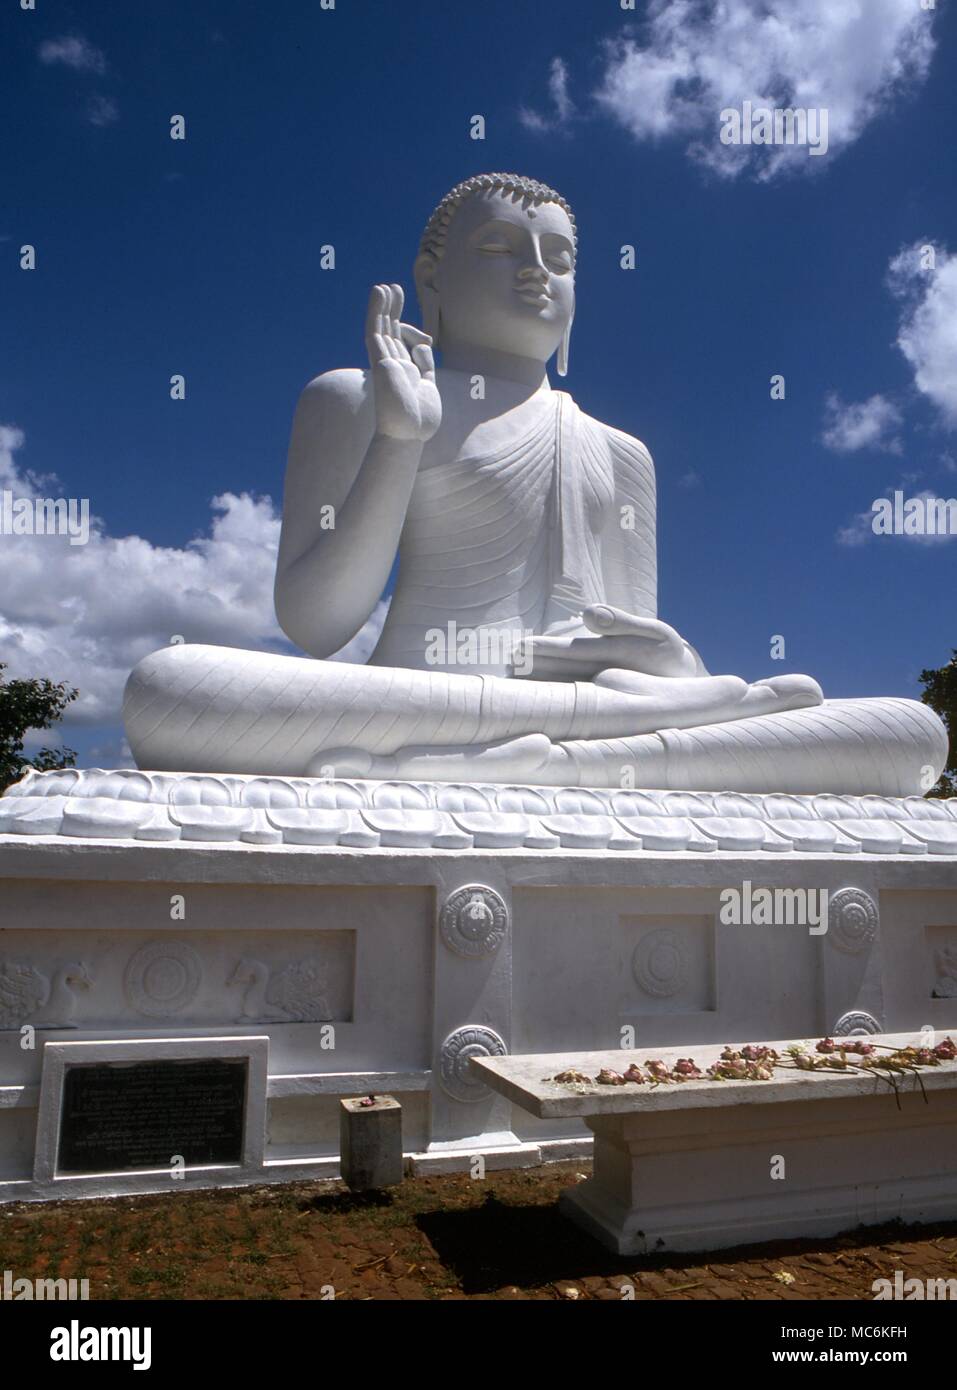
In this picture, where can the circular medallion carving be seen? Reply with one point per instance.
(855, 1025)
(163, 978)
(474, 920)
(456, 1075)
(852, 920)
(660, 964)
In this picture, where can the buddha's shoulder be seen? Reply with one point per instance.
(619, 443)
(344, 391)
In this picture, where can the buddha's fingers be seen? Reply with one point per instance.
(677, 693)
(385, 333)
(420, 346)
(396, 302)
(789, 692)
(374, 347)
(607, 621)
(413, 336)
(380, 351)
(349, 762)
(575, 657)
(423, 359)
(556, 658)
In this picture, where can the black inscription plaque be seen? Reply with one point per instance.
(119, 1116)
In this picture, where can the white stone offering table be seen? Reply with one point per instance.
(703, 1165)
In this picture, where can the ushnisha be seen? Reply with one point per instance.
(506, 506)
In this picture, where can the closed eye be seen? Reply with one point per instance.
(496, 249)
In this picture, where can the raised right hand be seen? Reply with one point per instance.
(407, 401)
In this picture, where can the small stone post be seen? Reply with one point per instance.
(370, 1142)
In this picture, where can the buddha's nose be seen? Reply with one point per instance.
(534, 268)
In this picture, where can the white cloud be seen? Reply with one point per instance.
(558, 88)
(870, 424)
(114, 752)
(102, 111)
(696, 58)
(72, 51)
(927, 335)
(11, 439)
(562, 104)
(858, 531)
(87, 614)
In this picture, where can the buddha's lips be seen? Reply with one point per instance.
(538, 297)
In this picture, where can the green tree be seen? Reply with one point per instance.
(30, 704)
(940, 692)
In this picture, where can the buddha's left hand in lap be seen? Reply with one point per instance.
(602, 638)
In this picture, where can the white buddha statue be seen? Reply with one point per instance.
(522, 643)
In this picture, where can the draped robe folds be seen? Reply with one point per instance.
(507, 544)
(519, 540)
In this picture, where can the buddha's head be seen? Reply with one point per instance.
(496, 268)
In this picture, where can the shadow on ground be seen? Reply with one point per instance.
(496, 1244)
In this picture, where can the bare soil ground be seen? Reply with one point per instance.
(432, 1238)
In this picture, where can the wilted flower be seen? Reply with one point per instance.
(571, 1077)
(658, 1069)
(634, 1073)
(729, 1069)
(608, 1077)
(685, 1068)
(826, 1045)
(946, 1050)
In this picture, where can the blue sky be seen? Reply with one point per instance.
(306, 127)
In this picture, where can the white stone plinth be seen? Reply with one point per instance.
(382, 934)
(705, 1165)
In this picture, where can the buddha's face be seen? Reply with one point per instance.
(506, 280)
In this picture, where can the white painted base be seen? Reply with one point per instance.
(848, 1165)
(690, 1228)
(705, 1165)
(420, 959)
(496, 1151)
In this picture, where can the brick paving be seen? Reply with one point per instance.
(444, 1238)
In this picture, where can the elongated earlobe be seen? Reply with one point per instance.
(563, 351)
